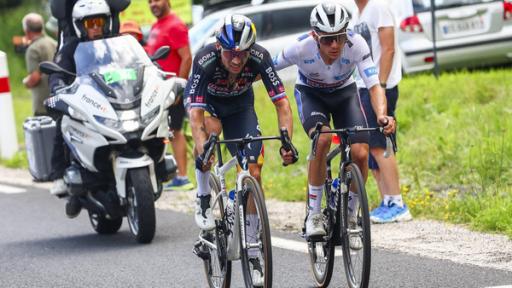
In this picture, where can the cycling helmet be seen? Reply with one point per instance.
(237, 33)
(329, 17)
(84, 9)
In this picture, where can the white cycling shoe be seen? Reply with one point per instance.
(257, 273)
(203, 216)
(315, 225)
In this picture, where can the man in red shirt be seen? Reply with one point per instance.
(170, 31)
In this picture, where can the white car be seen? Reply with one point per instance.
(469, 33)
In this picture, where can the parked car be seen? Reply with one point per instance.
(277, 24)
(469, 33)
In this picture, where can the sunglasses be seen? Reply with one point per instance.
(328, 39)
(230, 54)
(94, 22)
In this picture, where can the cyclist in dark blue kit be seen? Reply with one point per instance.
(221, 85)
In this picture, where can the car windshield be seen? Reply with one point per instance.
(114, 66)
(424, 5)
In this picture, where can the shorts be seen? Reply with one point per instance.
(238, 119)
(377, 139)
(343, 105)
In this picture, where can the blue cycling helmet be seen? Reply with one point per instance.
(237, 33)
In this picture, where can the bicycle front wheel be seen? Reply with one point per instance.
(216, 266)
(355, 230)
(256, 252)
(321, 252)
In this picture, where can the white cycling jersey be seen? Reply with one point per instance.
(313, 72)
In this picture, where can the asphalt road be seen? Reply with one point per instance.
(40, 247)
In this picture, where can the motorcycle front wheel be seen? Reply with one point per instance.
(141, 205)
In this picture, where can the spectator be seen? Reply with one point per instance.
(41, 48)
(171, 31)
(132, 28)
(376, 24)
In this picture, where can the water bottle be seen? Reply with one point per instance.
(334, 188)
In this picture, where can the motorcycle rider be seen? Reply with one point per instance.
(92, 20)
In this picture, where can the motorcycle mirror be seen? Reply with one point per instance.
(161, 53)
(48, 67)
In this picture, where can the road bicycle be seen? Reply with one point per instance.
(230, 240)
(353, 235)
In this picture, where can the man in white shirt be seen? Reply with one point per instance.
(376, 24)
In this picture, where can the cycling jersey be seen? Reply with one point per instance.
(232, 103)
(210, 79)
(313, 71)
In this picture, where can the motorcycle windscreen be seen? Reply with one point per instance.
(114, 66)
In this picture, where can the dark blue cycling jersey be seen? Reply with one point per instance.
(209, 78)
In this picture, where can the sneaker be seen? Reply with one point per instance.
(379, 209)
(204, 218)
(257, 272)
(73, 207)
(178, 184)
(315, 225)
(394, 213)
(59, 188)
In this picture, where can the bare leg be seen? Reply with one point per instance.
(179, 148)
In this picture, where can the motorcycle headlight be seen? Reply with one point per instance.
(122, 126)
(148, 118)
(110, 123)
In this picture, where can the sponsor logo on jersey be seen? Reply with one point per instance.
(195, 82)
(309, 61)
(370, 71)
(345, 61)
(272, 76)
(206, 59)
(257, 55)
(314, 74)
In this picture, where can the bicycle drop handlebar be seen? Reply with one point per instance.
(346, 132)
(213, 140)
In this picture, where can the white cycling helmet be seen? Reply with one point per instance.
(90, 8)
(329, 17)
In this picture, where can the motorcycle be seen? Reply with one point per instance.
(115, 121)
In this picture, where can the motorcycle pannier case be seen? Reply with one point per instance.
(39, 134)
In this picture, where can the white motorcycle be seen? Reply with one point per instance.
(115, 123)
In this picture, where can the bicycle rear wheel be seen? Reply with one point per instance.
(217, 267)
(257, 255)
(356, 237)
(321, 253)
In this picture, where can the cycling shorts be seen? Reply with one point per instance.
(343, 105)
(238, 120)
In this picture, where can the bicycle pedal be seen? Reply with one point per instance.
(200, 252)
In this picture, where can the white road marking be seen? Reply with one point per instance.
(11, 190)
(297, 246)
(505, 286)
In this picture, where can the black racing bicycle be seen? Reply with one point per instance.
(350, 231)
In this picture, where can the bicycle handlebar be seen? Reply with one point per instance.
(348, 131)
(214, 139)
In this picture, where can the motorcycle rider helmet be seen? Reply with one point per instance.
(237, 33)
(91, 12)
(329, 17)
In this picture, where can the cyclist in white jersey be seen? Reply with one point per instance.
(326, 58)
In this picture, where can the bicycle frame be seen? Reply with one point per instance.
(220, 170)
